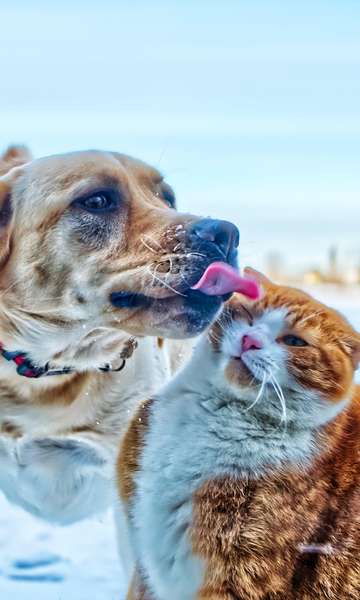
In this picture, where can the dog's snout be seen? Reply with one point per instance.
(223, 234)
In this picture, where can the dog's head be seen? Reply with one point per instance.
(91, 245)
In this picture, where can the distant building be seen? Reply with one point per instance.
(313, 277)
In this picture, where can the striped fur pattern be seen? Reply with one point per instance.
(241, 478)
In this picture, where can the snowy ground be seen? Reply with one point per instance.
(41, 562)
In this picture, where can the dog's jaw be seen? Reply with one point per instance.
(66, 262)
(178, 316)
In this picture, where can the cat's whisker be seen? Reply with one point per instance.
(314, 314)
(280, 395)
(327, 549)
(223, 327)
(260, 393)
(225, 322)
(248, 313)
(212, 336)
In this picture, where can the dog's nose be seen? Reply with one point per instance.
(250, 342)
(223, 234)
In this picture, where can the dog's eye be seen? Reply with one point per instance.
(294, 340)
(168, 195)
(99, 202)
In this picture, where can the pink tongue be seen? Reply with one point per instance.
(219, 279)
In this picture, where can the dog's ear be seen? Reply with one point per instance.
(7, 183)
(14, 156)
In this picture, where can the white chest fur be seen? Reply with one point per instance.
(196, 433)
(62, 467)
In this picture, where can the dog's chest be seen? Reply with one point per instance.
(58, 460)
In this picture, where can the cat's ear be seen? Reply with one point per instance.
(355, 351)
(259, 277)
(351, 346)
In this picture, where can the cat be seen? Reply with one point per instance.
(241, 478)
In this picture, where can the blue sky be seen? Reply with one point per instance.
(251, 108)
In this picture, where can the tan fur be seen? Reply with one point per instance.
(292, 533)
(38, 281)
(57, 274)
(14, 156)
(142, 243)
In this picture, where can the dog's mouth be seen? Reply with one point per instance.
(130, 300)
(219, 280)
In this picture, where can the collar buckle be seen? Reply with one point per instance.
(108, 368)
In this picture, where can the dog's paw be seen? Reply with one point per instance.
(7, 453)
(64, 479)
(69, 452)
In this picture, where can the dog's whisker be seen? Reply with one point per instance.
(185, 280)
(165, 284)
(199, 254)
(147, 245)
(150, 240)
(171, 266)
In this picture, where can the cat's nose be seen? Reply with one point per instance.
(251, 342)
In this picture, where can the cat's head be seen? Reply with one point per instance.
(286, 343)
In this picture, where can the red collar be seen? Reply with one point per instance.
(26, 368)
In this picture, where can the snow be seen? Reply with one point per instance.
(79, 562)
(47, 562)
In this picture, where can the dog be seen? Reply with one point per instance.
(96, 275)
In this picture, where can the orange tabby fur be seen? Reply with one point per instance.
(290, 533)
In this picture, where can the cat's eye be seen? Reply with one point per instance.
(98, 202)
(293, 340)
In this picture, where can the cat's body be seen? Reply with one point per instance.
(228, 501)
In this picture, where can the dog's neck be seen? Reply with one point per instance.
(80, 350)
(82, 344)
(105, 401)
(26, 368)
